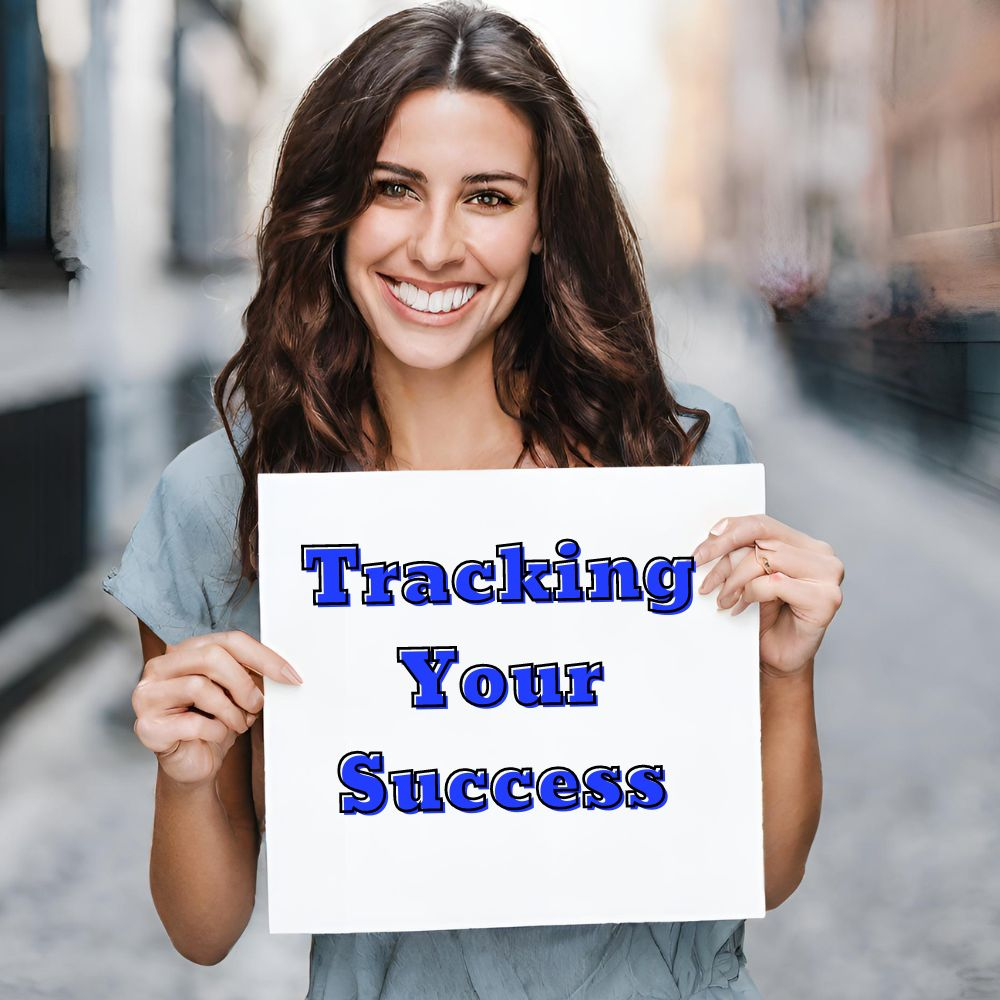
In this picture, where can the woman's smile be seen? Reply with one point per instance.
(428, 302)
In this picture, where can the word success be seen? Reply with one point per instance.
(471, 790)
(511, 578)
(514, 789)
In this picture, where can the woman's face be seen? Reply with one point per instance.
(436, 263)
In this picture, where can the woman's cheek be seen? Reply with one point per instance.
(380, 231)
(507, 249)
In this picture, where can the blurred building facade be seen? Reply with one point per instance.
(843, 157)
(124, 266)
(904, 326)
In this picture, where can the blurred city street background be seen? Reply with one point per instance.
(817, 186)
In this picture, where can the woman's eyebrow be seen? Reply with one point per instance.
(395, 168)
(483, 178)
(494, 175)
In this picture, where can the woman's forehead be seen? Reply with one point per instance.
(454, 133)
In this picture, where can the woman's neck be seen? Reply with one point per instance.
(446, 419)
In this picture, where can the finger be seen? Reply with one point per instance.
(192, 690)
(248, 651)
(800, 564)
(257, 657)
(732, 588)
(804, 564)
(161, 733)
(736, 532)
(214, 662)
(719, 573)
(723, 569)
(811, 601)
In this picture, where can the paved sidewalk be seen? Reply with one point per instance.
(76, 807)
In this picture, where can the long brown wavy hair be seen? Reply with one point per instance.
(576, 361)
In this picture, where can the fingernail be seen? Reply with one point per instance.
(720, 527)
(741, 606)
(251, 719)
(290, 672)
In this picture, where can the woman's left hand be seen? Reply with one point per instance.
(795, 578)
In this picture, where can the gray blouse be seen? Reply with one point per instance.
(179, 575)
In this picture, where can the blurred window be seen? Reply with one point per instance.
(43, 502)
(24, 135)
(215, 89)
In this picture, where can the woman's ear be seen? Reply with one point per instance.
(536, 247)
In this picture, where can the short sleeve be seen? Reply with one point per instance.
(180, 564)
(726, 441)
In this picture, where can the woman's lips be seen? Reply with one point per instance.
(424, 318)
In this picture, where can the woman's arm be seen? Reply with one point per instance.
(793, 782)
(203, 861)
(796, 580)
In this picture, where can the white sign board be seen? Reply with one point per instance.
(516, 707)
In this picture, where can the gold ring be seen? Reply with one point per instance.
(762, 559)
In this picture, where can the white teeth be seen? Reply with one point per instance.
(436, 302)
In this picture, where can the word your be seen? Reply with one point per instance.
(511, 579)
(514, 789)
(485, 686)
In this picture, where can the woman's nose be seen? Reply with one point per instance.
(437, 239)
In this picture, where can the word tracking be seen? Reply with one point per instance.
(514, 789)
(666, 584)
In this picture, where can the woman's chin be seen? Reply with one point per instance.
(423, 357)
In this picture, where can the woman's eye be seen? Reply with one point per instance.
(491, 199)
(393, 189)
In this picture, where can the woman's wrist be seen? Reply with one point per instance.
(773, 673)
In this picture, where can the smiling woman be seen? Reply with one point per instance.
(440, 164)
(448, 280)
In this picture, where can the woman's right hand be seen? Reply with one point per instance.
(198, 696)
